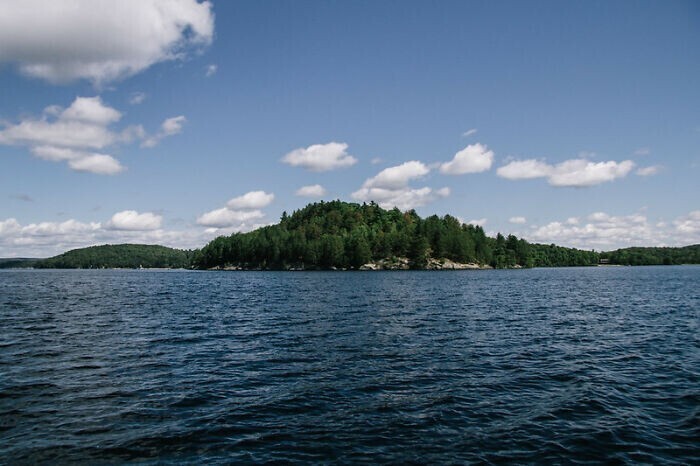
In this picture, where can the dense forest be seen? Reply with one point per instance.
(343, 235)
(653, 256)
(17, 263)
(118, 256)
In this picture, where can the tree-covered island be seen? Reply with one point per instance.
(348, 236)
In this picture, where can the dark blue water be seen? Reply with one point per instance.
(583, 365)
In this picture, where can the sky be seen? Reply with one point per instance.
(575, 123)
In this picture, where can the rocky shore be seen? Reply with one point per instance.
(394, 263)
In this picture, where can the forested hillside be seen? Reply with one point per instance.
(654, 256)
(118, 256)
(338, 234)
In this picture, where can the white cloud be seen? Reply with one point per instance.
(389, 188)
(469, 132)
(602, 231)
(46, 239)
(251, 200)
(82, 125)
(649, 171)
(100, 164)
(479, 222)
(137, 98)
(524, 170)
(403, 198)
(517, 220)
(90, 110)
(689, 226)
(75, 134)
(321, 157)
(314, 191)
(573, 173)
(211, 70)
(134, 221)
(173, 125)
(474, 158)
(398, 176)
(581, 173)
(99, 40)
(224, 217)
(238, 212)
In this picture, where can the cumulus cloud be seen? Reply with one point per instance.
(390, 187)
(100, 40)
(238, 212)
(474, 158)
(398, 176)
(321, 157)
(100, 164)
(517, 220)
(211, 70)
(314, 191)
(251, 200)
(602, 231)
(134, 221)
(571, 173)
(76, 134)
(649, 171)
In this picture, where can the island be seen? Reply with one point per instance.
(339, 235)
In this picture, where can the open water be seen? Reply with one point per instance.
(547, 366)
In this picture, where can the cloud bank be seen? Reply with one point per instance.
(603, 231)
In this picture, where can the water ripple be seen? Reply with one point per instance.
(563, 366)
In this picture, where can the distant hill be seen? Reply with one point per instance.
(327, 235)
(654, 256)
(118, 256)
(17, 262)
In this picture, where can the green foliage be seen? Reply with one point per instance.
(338, 234)
(119, 256)
(654, 256)
(17, 263)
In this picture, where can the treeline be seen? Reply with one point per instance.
(338, 234)
(653, 256)
(131, 256)
(17, 263)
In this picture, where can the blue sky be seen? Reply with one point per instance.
(576, 123)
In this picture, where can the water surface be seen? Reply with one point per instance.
(579, 365)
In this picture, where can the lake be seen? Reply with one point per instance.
(570, 365)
